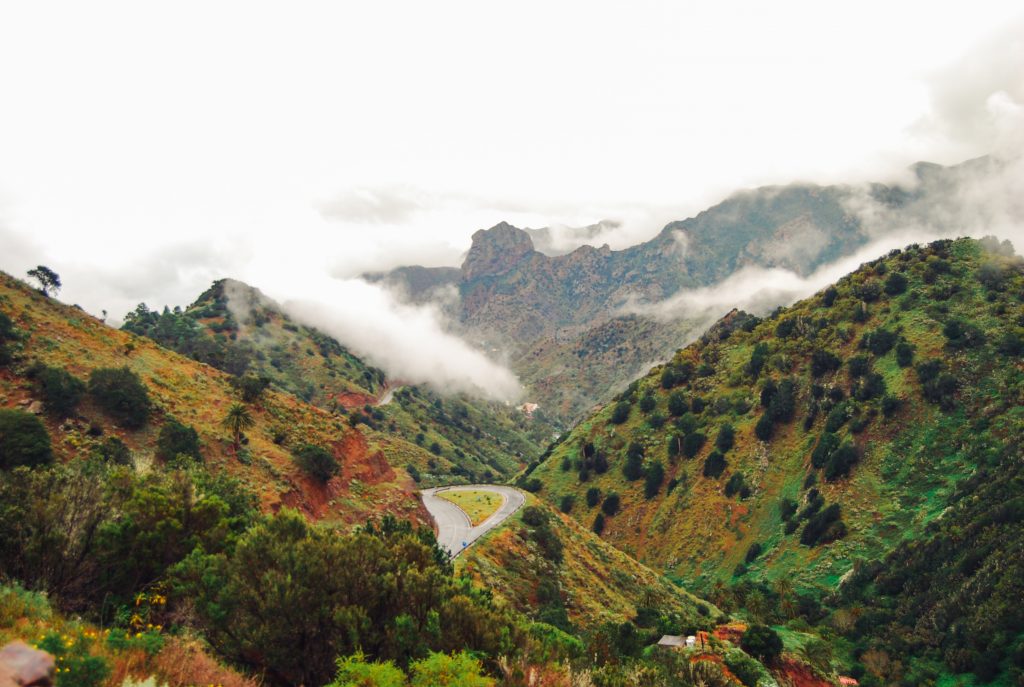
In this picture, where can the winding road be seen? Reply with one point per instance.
(455, 531)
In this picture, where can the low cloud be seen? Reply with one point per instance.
(408, 342)
(760, 290)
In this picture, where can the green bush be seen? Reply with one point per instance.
(647, 403)
(23, 440)
(620, 413)
(114, 451)
(726, 438)
(895, 284)
(593, 496)
(761, 642)
(904, 354)
(714, 465)
(653, 478)
(611, 504)
(121, 393)
(61, 391)
(598, 525)
(317, 462)
(176, 439)
(565, 505)
(693, 443)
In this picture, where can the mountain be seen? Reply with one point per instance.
(556, 316)
(236, 328)
(859, 449)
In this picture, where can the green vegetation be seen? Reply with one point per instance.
(61, 391)
(121, 393)
(317, 462)
(23, 440)
(478, 505)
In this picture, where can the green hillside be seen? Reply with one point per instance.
(771, 458)
(889, 369)
(236, 328)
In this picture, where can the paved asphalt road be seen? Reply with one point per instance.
(454, 529)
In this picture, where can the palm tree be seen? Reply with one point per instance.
(237, 421)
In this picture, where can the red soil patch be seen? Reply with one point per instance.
(788, 671)
(350, 399)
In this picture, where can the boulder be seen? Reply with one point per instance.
(23, 666)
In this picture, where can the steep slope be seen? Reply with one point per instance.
(197, 396)
(236, 328)
(545, 564)
(788, 448)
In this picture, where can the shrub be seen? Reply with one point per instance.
(880, 341)
(176, 439)
(761, 642)
(783, 402)
(566, 503)
(757, 360)
(841, 462)
(868, 292)
(737, 485)
(633, 468)
(823, 362)
(593, 496)
(647, 403)
(113, 450)
(960, 334)
(828, 443)
(620, 413)
(653, 479)
(121, 393)
(752, 553)
(534, 516)
(872, 386)
(23, 440)
(598, 525)
(828, 296)
(823, 527)
(677, 404)
(904, 354)
(890, 405)
(316, 461)
(693, 443)
(251, 386)
(764, 428)
(611, 504)
(895, 284)
(7, 331)
(726, 438)
(858, 365)
(414, 472)
(60, 390)
(714, 465)
(656, 421)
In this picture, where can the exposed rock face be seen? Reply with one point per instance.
(496, 251)
(23, 666)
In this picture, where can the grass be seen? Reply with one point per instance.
(477, 504)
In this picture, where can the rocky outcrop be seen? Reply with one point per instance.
(496, 251)
(23, 666)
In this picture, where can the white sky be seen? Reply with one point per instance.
(148, 148)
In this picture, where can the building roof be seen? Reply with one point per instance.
(672, 640)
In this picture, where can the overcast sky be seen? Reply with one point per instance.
(148, 148)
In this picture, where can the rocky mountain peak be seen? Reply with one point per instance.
(496, 250)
